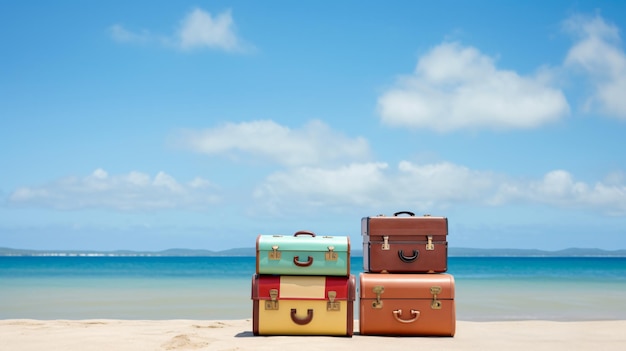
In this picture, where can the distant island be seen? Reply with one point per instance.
(250, 251)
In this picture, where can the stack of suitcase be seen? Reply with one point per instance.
(403, 289)
(303, 285)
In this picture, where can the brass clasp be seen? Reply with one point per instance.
(385, 242)
(430, 246)
(274, 255)
(332, 305)
(331, 255)
(435, 304)
(272, 304)
(378, 290)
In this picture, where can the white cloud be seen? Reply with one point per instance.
(598, 54)
(316, 187)
(559, 188)
(199, 29)
(374, 185)
(456, 87)
(127, 192)
(429, 187)
(121, 34)
(362, 187)
(313, 144)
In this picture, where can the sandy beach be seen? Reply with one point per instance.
(119, 335)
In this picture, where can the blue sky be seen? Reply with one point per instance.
(149, 125)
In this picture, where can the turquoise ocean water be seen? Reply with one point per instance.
(487, 288)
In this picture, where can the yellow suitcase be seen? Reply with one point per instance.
(303, 305)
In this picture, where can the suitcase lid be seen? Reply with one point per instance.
(406, 286)
(293, 287)
(303, 241)
(404, 225)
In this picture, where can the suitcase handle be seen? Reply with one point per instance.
(397, 313)
(304, 232)
(296, 261)
(408, 259)
(302, 321)
(404, 212)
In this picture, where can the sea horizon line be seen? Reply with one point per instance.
(251, 252)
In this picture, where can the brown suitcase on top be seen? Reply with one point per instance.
(405, 243)
(407, 304)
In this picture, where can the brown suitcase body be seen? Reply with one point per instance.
(407, 304)
(405, 244)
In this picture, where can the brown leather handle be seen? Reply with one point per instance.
(302, 321)
(404, 212)
(304, 232)
(398, 313)
(296, 261)
(408, 259)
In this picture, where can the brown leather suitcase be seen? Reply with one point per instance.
(405, 243)
(407, 304)
(303, 305)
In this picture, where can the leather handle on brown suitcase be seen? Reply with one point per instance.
(296, 261)
(404, 212)
(304, 232)
(302, 321)
(408, 259)
(414, 316)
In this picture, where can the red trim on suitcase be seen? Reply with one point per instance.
(340, 285)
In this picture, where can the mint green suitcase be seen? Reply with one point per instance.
(304, 253)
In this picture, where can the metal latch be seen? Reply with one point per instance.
(430, 246)
(331, 255)
(274, 254)
(378, 290)
(435, 304)
(385, 242)
(273, 303)
(332, 305)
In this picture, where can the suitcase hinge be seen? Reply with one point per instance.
(378, 290)
(274, 255)
(332, 305)
(385, 242)
(331, 255)
(273, 303)
(430, 246)
(435, 304)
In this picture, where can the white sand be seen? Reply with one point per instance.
(120, 335)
